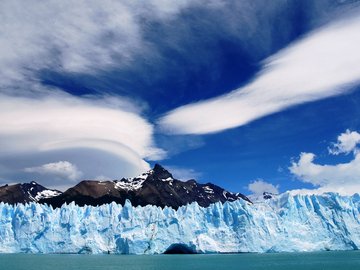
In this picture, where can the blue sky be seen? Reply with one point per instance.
(231, 92)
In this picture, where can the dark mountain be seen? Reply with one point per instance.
(24, 193)
(156, 187)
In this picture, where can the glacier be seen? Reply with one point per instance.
(284, 223)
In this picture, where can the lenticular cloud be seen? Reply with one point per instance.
(323, 64)
(55, 123)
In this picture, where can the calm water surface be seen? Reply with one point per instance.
(305, 261)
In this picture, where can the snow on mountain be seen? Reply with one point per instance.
(129, 184)
(281, 223)
(46, 194)
(26, 192)
(133, 183)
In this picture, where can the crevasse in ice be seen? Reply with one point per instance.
(285, 223)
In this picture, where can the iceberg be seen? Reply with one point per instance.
(283, 223)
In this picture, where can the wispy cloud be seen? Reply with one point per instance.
(87, 37)
(320, 65)
(70, 36)
(342, 177)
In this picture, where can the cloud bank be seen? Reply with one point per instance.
(343, 177)
(322, 64)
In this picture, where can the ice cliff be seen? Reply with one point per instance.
(283, 223)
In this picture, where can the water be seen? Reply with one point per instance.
(318, 260)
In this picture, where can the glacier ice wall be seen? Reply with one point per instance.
(285, 223)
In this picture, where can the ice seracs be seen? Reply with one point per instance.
(283, 223)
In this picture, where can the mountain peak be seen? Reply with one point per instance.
(158, 167)
(160, 172)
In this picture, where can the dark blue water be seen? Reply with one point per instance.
(349, 260)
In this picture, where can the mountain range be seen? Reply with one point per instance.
(156, 187)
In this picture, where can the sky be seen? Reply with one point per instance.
(249, 95)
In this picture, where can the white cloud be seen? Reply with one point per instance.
(61, 169)
(322, 64)
(346, 143)
(258, 187)
(52, 123)
(342, 177)
(324, 175)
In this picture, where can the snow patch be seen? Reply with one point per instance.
(145, 175)
(169, 180)
(45, 194)
(208, 189)
(129, 184)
